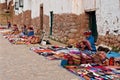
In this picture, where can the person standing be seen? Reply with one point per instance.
(24, 30)
(9, 25)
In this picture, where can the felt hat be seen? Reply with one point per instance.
(88, 32)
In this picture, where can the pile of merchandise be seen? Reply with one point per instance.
(86, 66)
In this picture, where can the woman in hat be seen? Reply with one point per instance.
(90, 40)
(30, 32)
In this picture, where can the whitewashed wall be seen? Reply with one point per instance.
(2, 1)
(35, 8)
(108, 15)
(77, 6)
(27, 4)
(57, 6)
(89, 5)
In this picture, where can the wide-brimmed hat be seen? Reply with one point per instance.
(89, 32)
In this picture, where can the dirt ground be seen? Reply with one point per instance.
(17, 62)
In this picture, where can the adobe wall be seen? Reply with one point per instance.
(3, 17)
(109, 40)
(69, 26)
(3, 6)
(22, 18)
(65, 26)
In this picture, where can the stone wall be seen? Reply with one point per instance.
(3, 6)
(69, 26)
(25, 18)
(22, 18)
(11, 10)
(36, 23)
(46, 26)
(109, 40)
(3, 16)
(17, 19)
(65, 26)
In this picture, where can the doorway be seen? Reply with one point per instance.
(41, 17)
(51, 22)
(92, 24)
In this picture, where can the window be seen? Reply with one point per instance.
(16, 6)
(20, 3)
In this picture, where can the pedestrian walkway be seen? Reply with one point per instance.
(17, 62)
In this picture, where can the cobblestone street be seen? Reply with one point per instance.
(17, 62)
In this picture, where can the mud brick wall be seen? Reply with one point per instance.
(65, 26)
(109, 40)
(11, 10)
(27, 17)
(17, 19)
(46, 26)
(69, 26)
(36, 23)
(3, 6)
(22, 18)
(3, 18)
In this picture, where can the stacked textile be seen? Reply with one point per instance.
(95, 72)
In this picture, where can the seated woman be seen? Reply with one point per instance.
(90, 40)
(30, 32)
(15, 30)
(24, 31)
(85, 49)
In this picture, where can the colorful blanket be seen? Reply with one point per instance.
(95, 72)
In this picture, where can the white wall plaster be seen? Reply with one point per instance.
(57, 6)
(108, 16)
(2, 1)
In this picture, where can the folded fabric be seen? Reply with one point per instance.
(113, 54)
(43, 50)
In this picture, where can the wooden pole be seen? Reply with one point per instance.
(41, 17)
(41, 23)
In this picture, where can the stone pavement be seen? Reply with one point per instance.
(17, 62)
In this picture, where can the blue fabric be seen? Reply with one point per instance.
(113, 54)
(92, 79)
(64, 63)
(92, 42)
(88, 52)
(31, 33)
